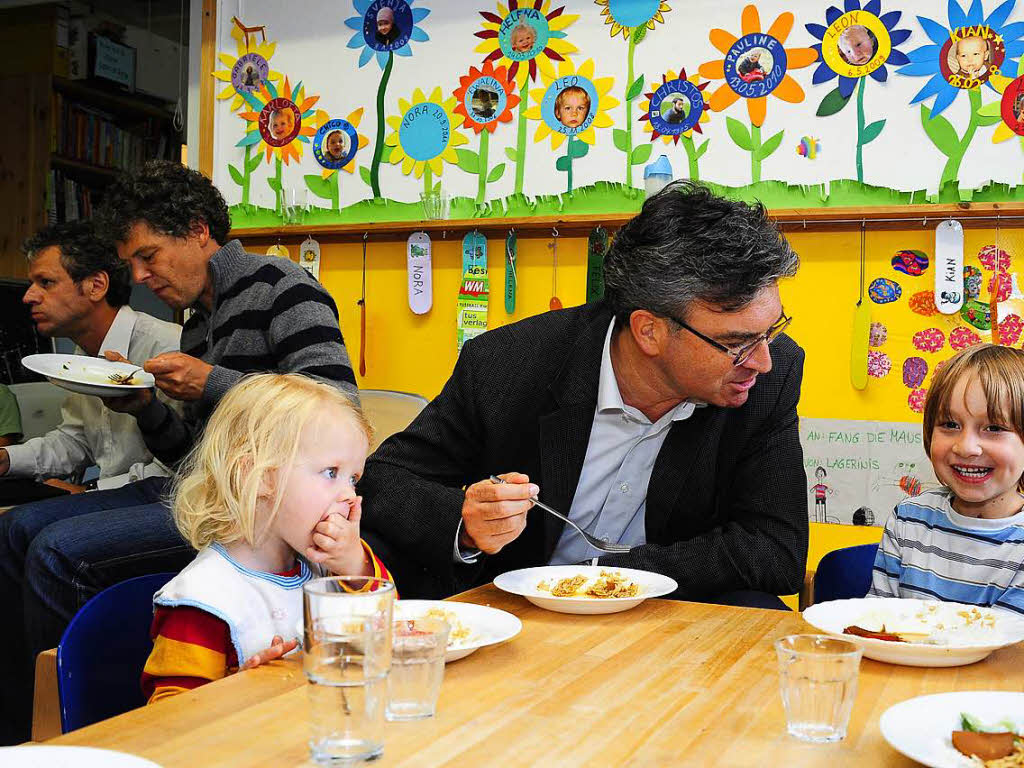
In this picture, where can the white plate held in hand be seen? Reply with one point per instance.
(88, 375)
(524, 582)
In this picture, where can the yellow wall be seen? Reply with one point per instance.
(416, 353)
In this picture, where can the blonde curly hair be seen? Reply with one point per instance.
(251, 438)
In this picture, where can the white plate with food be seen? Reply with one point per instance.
(473, 626)
(89, 375)
(918, 633)
(585, 588)
(929, 729)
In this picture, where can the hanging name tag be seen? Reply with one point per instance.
(278, 250)
(597, 246)
(474, 291)
(309, 257)
(949, 267)
(421, 291)
(511, 278)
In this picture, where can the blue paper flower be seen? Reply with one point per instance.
(824, 72)
(359, 39)
(926, 60)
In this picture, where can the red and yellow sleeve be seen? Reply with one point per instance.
(380, 570)
(190, 648)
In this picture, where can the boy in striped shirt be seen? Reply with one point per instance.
(965, 541)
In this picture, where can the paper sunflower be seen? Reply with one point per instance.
(671, 87)
(260, 102)
(485, 98)
(423, 137)
(1004, 46)
(383, 52)
(327, 184)
(625, 15)
(755, 65)
(405, 21)
(932, 60)
(856, 43)
(354, 118)
(245, 50)
(633, 18)
(524, 38)
(585, 89)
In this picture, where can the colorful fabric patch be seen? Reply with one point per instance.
(929, 340)
(879, 364)
(916, 400)
(910, 485)
(962, 338)
(923, 303)
(994, 259)
(1010, 328)
(1003, 289)
(972, 282)
(912, 263)
(977, 313)
(884, 291)
(915, 369)
(878, 334)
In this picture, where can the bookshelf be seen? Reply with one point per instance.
(63, 140)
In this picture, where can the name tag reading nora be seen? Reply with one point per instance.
(421, 292)
(949, 267)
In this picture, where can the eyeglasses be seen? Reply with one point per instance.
(741, 355)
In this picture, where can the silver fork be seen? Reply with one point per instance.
(593, 541)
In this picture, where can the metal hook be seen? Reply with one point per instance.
(366, 235)
(805, 223)
(554, 232)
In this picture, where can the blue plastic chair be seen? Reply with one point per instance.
(103, 650)
(844, 573)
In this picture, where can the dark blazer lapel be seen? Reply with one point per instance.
(565, 430)
(677, 459)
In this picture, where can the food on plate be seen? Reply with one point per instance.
(459, 633)
(933, 623)
(123, 378)
(1002, 747)
(608, 584)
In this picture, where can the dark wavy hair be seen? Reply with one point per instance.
(688, 244)
(169, 197)
(84, 253)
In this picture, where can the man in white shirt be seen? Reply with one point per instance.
(80, 291)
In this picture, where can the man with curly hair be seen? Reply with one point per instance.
(249, 313)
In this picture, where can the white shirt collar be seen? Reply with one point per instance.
(119, 335)
(609, 398)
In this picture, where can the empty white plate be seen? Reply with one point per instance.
(87, 375)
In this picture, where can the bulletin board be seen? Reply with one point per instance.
(370, 110)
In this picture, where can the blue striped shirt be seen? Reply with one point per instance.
(930, 551)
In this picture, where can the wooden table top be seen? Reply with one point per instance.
(667, 683)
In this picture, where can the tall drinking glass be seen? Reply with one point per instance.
(347, 656)
(818, 682)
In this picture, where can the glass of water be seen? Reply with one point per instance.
(347, 656)
(417, 667)
(818, 681)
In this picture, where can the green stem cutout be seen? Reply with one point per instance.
(481, 184)
(691, 157)
(521, 140)
(378, 148)
(246, 175)
(860, 129)
(755, 145)
(278, 187)
(428, 180)
(629, 111)
(568, 154)
(336, 191)
(952, 170)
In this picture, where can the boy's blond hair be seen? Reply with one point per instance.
(246, 450)
(1000, 371)
(572, 90)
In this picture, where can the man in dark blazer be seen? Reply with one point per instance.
(658, 417)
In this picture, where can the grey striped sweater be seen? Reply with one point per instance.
(268, 315)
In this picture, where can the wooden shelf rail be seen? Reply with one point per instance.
(1007, 214)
